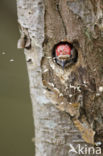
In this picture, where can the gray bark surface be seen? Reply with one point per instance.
(60, 119)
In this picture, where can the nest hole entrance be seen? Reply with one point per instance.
(65, 48)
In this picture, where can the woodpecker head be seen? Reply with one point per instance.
(65, 54)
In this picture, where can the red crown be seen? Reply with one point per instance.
(63, 49)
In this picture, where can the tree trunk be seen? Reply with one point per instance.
(67, 103)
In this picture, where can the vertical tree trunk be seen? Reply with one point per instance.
(67, 104)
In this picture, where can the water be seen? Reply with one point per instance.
(16, 122)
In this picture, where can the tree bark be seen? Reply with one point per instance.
(67, 104)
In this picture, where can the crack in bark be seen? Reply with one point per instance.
(58, 9)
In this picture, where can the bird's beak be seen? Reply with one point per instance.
(63, 64)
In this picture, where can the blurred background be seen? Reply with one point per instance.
(16, 122)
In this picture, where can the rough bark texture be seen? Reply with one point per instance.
(67, 104)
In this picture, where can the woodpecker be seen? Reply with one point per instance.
(65, 54)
